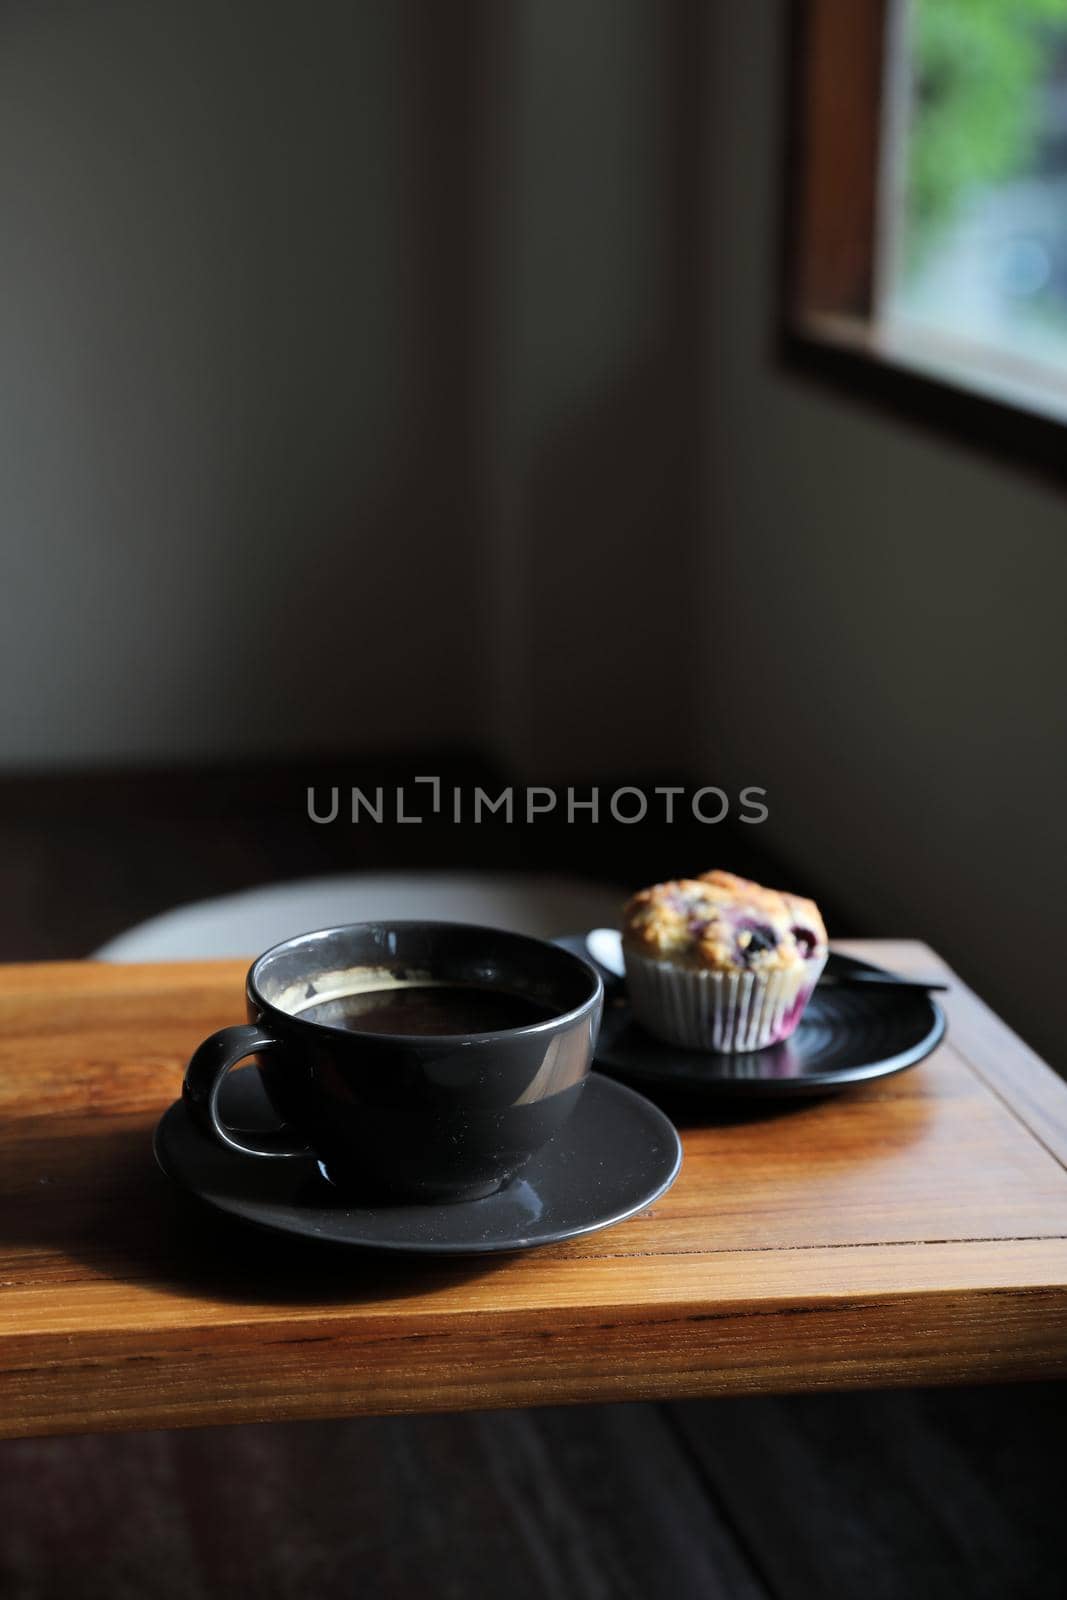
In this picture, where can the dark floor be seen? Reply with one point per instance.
(908, 1496)
(911, 1495)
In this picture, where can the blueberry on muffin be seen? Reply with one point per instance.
(720, 963)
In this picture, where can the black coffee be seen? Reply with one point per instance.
(430, 1008)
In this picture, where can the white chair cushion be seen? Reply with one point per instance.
(244, 924)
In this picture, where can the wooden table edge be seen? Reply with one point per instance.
(198, 1377)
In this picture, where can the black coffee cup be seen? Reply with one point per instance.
(418, 1115)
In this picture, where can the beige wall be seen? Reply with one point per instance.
(595, 467)
(345, 380)
(886, 642)
(236, 502)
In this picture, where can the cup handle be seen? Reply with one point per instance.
(204, 1077)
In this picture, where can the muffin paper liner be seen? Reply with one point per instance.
(726, 1011)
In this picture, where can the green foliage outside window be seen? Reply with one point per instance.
(979, 67)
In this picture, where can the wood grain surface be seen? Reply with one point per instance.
(913, 1231)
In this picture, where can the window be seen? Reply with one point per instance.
(929, 203)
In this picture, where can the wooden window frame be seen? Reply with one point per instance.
(837, 133)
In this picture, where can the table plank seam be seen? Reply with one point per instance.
(49, 1281)
(1013, 1110)
(390, 1338)
(845, 1244)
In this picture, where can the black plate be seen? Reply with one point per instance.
(615, 1156)
(847, 1036)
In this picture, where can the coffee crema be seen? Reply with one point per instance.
(432, 1008)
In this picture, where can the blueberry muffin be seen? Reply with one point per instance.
(720, 963)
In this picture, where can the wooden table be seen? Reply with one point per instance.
(913, 1231)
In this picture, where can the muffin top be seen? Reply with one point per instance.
(723, 923)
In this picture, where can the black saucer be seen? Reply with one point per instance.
(847, 1036)
(615, 1156)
